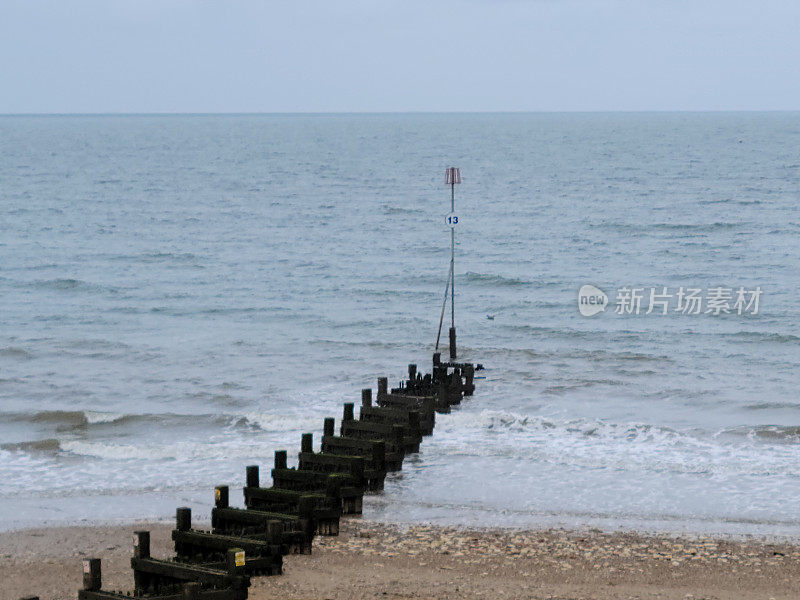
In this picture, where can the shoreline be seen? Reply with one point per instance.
(370, 559)
(159, 508)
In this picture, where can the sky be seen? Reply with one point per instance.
(122, 56)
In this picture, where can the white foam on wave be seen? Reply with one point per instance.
(624, 447)
(96, 417)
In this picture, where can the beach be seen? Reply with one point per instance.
(371, 560)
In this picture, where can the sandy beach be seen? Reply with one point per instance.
(371, 560)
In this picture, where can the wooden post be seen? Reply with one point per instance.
(235, 561)
(379, 453)
(92, 575)
(469, 375)
(274, 532)
(191, 591)
(348, 415)
(442, 395)
(414, 420)
(141, 544)
(328, 427)
(412, 373)
(221, 497)
(307, 442)
(252, 476)
(366, 397)
(280, 459)
(383, 387)
(452, 343)
(305, 507)
(183, 519)
(437, 359)
(397, 430)
(334, 487)
(457, 383)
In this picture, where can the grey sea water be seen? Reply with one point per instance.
(183, 295)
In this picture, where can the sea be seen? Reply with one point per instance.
(182, 295)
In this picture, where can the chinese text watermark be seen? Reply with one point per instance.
(664, 300)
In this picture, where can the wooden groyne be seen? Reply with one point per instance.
(302, 502)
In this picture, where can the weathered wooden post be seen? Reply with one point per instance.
(141, 549)
(305, 507)
(398, 431)
(275, 531)
(366, 397)
(191, 591)
(252, 476)
(307, 442)
(442, 391)
(349, 414)
(469, 376)
(221, 496)
(328, 429)
(412, 373)
(183, 518)
(92, 575)
(280, 459)
(141, 544)
(383, 388)
(437, 359)
(414, 420)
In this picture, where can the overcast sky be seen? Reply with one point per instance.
(406, 55)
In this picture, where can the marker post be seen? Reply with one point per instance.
(452, 177)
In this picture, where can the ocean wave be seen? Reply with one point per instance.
(492, 279)
(392, 209)
(184, 451)
(549, 332)
(15, 352)
(45, 446)
(673, 227)
(66, 421)
(772, 406)
(69, 285)
(629, 447)
(276, 423)
(505, 420)
(766, 433)
(62, 419)
(760, 336)
(576, 384)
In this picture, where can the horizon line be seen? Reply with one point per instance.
(389, 112)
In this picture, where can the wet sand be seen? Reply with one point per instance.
(377, 561)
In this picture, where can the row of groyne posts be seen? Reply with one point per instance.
(309, 500)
